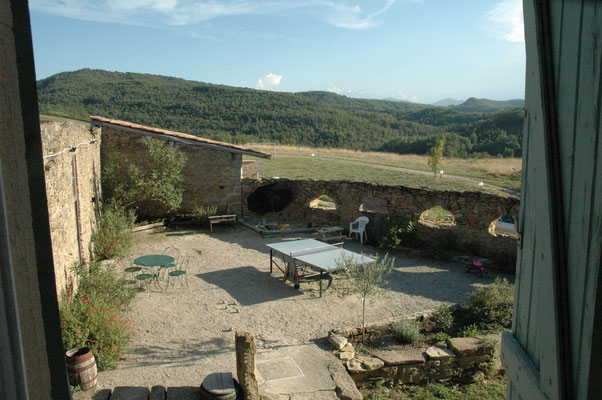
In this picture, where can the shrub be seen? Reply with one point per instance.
(490, 308)
(395, 230)
(407, 331)
(471, 330)
(96, 316)
(113, 237)
(200, 215)
(96, 281)
(158, 181)
(442, 318)
(441, 336)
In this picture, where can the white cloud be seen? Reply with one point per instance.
(185, 12)
(506, 21)
(341, 91)
(413, 98)
(268, 81)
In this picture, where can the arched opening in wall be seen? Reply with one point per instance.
(323, 202)
(437, 216)
(504, 226)
(373, 205)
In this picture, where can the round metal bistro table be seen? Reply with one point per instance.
(157, 261)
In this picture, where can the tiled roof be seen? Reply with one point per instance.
(96, 120)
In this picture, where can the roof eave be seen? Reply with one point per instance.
(191, 142)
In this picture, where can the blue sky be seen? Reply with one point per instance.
(417, 50)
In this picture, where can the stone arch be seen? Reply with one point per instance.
(504, 226)
(324, 202)
(437, 216)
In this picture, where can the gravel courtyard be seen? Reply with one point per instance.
(185, 333)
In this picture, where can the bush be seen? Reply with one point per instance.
(96, 316)
(442, 336)
(395, 230)
(407, 331)
(158, 181)
(471, 330)
(200, 215)
(113, 237)
(490, 308)
(442, 318)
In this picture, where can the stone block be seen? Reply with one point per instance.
(370, 363)
(345, 386)
(393, 357)
(337, 341)
(348, 347)
(464, 346)
(438, 353)
(410, 374)
(346, 355)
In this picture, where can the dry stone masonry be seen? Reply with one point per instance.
(461, 359)
(72, 172)
(210, 177)
(473, 211)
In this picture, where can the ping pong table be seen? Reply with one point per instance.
(315, 254)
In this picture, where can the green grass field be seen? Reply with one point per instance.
(325, 169)
(297, 163)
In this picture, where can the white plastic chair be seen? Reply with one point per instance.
(361, 223)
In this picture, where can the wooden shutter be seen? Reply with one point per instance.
(550, 352)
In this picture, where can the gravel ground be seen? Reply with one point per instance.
(185, 333)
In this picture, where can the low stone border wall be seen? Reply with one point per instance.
(462, 359)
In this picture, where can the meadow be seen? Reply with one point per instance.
(499, 175)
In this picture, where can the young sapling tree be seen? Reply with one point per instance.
(365, 280)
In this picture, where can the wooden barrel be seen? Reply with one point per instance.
(81, 367)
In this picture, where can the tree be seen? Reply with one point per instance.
(158, 181)
(436, 156)
(367, 280)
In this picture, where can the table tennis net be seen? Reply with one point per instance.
(313, 250)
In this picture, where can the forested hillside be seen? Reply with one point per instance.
(310, 118)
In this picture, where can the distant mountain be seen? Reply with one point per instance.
(488, 106)
(447, 102)
(240, 115)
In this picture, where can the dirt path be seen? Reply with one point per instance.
(187, 332)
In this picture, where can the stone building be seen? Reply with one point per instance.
(72, 173)
(211, 175)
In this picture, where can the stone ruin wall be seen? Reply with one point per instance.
(473, 211)
(59, 175)
(210, 177)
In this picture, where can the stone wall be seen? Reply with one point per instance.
(210, 177)
(252, 169)
(473, 211)
(460, 359)
(70, 243)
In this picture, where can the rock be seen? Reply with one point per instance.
(346, 355)
(345, 386)
(473, 377)
(319, 395)
(272, 396)
(245, 364)
(355, 367)
(393, 357)
(348, 347)
(371, 363)
(337, 341)
(464, 346)
(438, 353)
